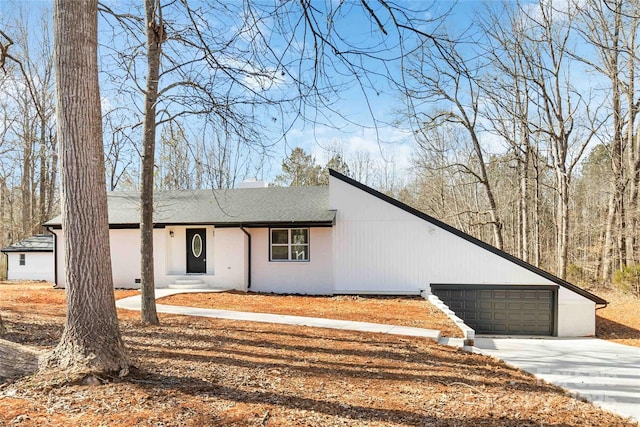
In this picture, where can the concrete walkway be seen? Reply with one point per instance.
(133, 303)
(603, 372)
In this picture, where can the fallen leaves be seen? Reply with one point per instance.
(619, 321)
(412, 311)
(195, 372)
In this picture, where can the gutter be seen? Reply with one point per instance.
(55, 256)
(248, 256)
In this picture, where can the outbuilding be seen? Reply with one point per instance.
(344, 238)
(31, 259)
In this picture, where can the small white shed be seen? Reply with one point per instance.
(31, 259)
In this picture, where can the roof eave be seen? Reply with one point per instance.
(249, 224)
(5, 250)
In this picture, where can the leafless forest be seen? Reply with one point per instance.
(524, 123)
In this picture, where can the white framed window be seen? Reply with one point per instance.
(23, 259)
(289, 244)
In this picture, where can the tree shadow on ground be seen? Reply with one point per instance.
(313, 355)
(45, 334)
(610, 329)
(334, 408)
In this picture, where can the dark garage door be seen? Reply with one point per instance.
(502, 310)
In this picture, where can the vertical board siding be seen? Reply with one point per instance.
(370, 257)
(378, 247)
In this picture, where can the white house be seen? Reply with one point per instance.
(342, 239)
(31, 259)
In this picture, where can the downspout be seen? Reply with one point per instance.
(248, 256)
(55, 256)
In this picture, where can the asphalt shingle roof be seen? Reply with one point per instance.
(39, 243)
(245, 206)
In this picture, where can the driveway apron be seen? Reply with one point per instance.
(603, 372)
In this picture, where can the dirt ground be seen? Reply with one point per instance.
(407, 311)
(210, 372)
(620, 320)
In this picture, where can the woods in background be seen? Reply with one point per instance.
(524, 132)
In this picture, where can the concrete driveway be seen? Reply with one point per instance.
(603, 372)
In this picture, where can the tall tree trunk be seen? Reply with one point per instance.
(91, 341)
(27, 174)
(562, 240)
(53, 176)
(634, 183)
(496, 223)
(42, 194)
(633, 162)
(621, 230)
(536, 215)
(155, 37)
(614, 236)
(607, 247)
(523, 202)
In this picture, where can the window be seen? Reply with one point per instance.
(23, 259)
(289, 244)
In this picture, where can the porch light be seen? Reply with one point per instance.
(170, 233)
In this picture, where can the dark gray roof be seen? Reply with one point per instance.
(245, 206)
(39, 243)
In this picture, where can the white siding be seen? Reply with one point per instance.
(125, 257)
(59, 258)
(38, 266)
(576, 315)
(225, 259)
(312, 277)
(378, 247)
(230, 258)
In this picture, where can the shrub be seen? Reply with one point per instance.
(628, 279)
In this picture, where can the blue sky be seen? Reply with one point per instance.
(385, 142)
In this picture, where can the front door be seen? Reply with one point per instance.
(196, 250)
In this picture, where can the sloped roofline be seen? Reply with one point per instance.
(24, 246)
(467, 237)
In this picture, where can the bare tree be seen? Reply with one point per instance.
(507, 110)
(446, 89)
(155, 36)
(437, 183)
(611, 28)
(176, 172)
(91, 341)
(362, 167)
(568, 117)
(120, 150)
(29, 89)
(273, 63)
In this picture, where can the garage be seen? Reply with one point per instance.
(503, 309)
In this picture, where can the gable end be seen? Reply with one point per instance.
(596, 299)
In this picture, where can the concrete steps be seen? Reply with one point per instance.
(188, 284)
